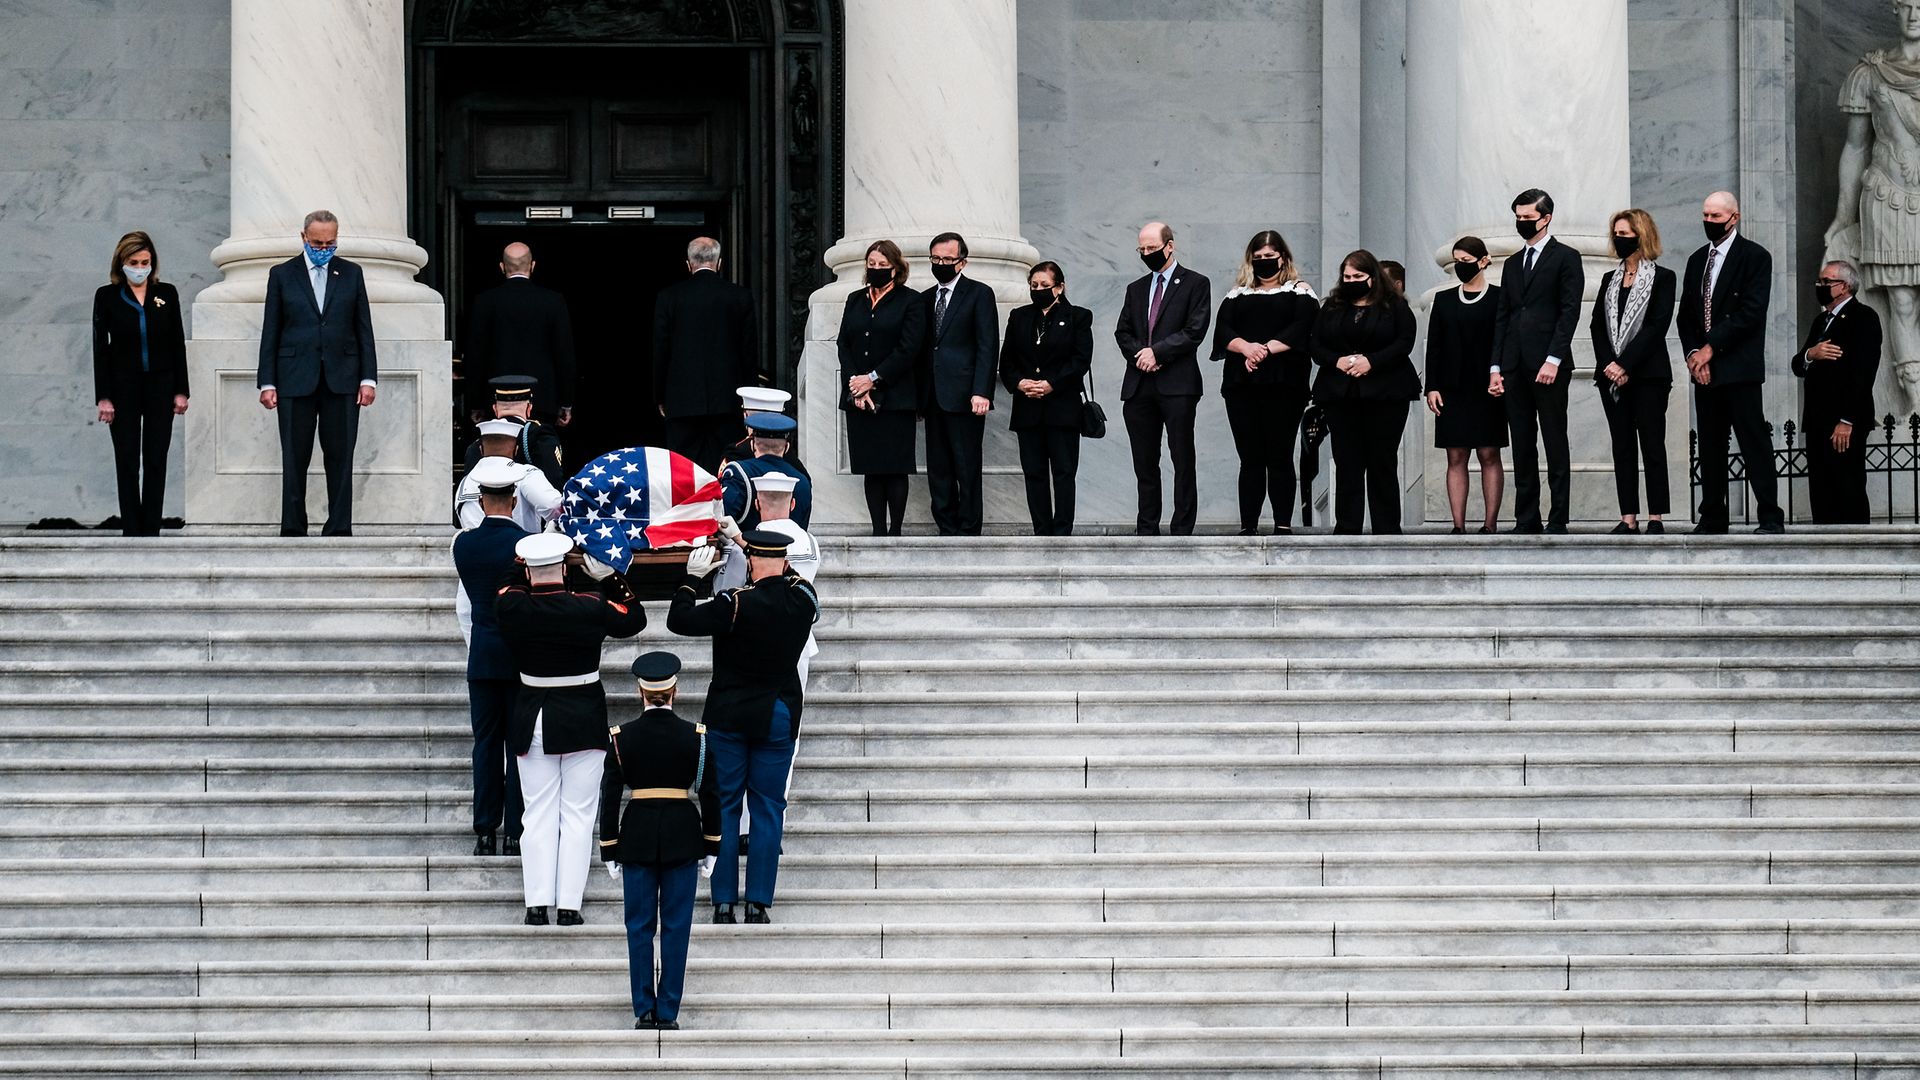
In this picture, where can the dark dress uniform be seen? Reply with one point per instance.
(484, 557)
(658, 840)
(736, 479)
(752, 713)
(743, 451)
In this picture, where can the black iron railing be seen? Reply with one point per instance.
(1893, 467)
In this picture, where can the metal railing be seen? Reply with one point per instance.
(1893, 469)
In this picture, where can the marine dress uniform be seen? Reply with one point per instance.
(655, 846)
(537, 500)
(560, 719)
(737, 477)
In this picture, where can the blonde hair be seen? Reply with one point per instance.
(1643, 227)
(130, 245)
(1266, 238)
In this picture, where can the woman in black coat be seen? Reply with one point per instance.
(880, 338)
(1363, 342)
(1044, 363)
(1466, 419)
(1261, 336)
(139, 377)
(1632, 368)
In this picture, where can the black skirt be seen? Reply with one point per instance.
(1469, 420)
(880, 443)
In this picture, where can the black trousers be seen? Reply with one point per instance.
(496, 786)
(1050, 458)
(338, 419)
(953, 470)
(1537, 415)
(1147, 413)
(142, 432)
(1735, 410)
(1837, 482)
(704, 439)
(1266, 427)
(1638, 425)
(1366, 461)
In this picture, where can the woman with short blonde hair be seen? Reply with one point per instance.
(1631, 365)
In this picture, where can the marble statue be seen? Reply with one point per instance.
(1877, 224)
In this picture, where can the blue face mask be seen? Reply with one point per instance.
(319, 256)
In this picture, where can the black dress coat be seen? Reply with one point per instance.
(1645, 357)
(957, 360)
(1382, 332)
(884, 338)
(519, 328)
(1742, 288)
(1538, 312)
(553, 631)
(1840, 389)
(306, 350)
(1062, 357)
(706, 345)
(1285, 315)
(658, 750)
(1459, 353)
(1186, 308)
(116, 344)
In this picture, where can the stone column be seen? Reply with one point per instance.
(319, 121)
(1505, 96)
(932, 144)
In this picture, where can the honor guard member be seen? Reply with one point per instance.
(656, 847)
(537, 500)
(753, 704)
(560, 714)
(484, 556)
(535, 443)
(755, 399)
(771, 433)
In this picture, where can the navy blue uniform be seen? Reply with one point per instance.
(736, 489)
(484, 557)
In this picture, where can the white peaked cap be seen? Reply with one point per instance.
(500, 427)
(495, 472)
(762, 398)
(544, 549)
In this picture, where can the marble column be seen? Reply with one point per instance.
(932, 144)
(1505, 96)
(319, 120)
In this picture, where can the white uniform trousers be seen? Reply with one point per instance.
(562, 796)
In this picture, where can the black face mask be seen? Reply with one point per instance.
(1716, 230)
(1823, 294)
(1624, 246)
(1527, 229)
(1350, 291)
(1266, 268)
(1466, 270)
(1156, 260)
(878, 279)
(1041, 297)
(944, 273)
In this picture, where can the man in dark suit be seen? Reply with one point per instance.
(484, 557)
(519, 328)
(317, 367)
(1723, 333)
(956, 385)
(1839, 361)
(1162, 327)
(706, 343)
(1539, 308)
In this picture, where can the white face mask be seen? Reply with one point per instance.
(136, 275)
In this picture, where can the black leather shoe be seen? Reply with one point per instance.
(1557, 530)
(757, 913)
(483, 844)
(536, 916)
(1772, 529)
(645, 1022)
(510, 846)
(1147, 531)
(1655, 528)
(569, 918)
(1704, 529)
(1624, 529)
(666, 1025)
(1527, 529)
(723, 913)
(1458, 530)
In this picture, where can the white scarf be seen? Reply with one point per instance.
(1623, 325)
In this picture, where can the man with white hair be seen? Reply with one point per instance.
(706, 341)
(1839, 362)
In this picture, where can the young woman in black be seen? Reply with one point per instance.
(1363, 342)
(1466, 419)
(1262, 335)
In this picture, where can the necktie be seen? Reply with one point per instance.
(940, 309)
(1706, 291)
(1531, 252)
(1153, 310)
(320, 287)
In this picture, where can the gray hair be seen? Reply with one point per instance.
(704, 251)
(325, 217)
(1847, 272)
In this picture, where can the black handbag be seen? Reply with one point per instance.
(1093, 418)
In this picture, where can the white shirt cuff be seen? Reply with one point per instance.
(1495, 369)
(1551, 361)
(266, 388)
(366, 382)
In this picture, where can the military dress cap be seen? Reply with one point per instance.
(766, 544)
(544, 549)
(507, 428)
(776, 482)
(657, 670)
(496, 475)
(762, 398)
(513, 387)
(771, 425)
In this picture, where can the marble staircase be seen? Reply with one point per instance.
(1406, 808)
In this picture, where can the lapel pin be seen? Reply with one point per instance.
(158, 302)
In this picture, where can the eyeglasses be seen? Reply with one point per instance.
(1149, 251)
(1828, 281)
(939, 260)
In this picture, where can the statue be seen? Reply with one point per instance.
(1877, 224)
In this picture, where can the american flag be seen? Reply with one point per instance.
(637, 499)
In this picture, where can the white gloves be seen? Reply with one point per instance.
(729, 528)
(706, 867)
(613, 870)
(595, 569)
(702, 561)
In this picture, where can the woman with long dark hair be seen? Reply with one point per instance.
(1363, 342)
(1261, 336)
(139, 376)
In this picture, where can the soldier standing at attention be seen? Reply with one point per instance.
(656, 847)
(752, 713)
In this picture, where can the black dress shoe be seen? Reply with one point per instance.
(1147, 530)
(1557, 530)
(1654, 527)
(1488, 530)
(483, 844)
(723, 913)
(757, 913)
(1458, 530)
(1624, 529)
(645, 1022)
(510, 846)
(536, 916)
(1704, 529)
(1527, 529)
(1248, 531)
(1772, 528)
(666, 1025)
(569, 918)
(1283, 530)
(746, 844)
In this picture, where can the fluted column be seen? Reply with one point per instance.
(319, 121)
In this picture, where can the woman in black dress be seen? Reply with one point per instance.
(1459, 353)
(1632, 368)
(1044, 364)
(1363, 342)
(880, 336)
(139, 377)
(1262, 335)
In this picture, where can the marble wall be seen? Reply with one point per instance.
(113, 116)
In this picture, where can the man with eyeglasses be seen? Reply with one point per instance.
(317, 368)
(1162, 326)
(956, 385)
(1838, 362)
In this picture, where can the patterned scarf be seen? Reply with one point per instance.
(1623, 325)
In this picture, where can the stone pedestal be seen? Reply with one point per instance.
(932, 144)
(296, 150)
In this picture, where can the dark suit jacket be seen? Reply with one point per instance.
(706, 345)
(552, 631)
(1063, 358)
(1186, 308)
(1538, 312)
(1839, 389)
(116, 341)
(519, 328)
(1645, 357)
(1741, 289)
(484, 558)
(304, 350)
(884, 338)
(957, 363)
